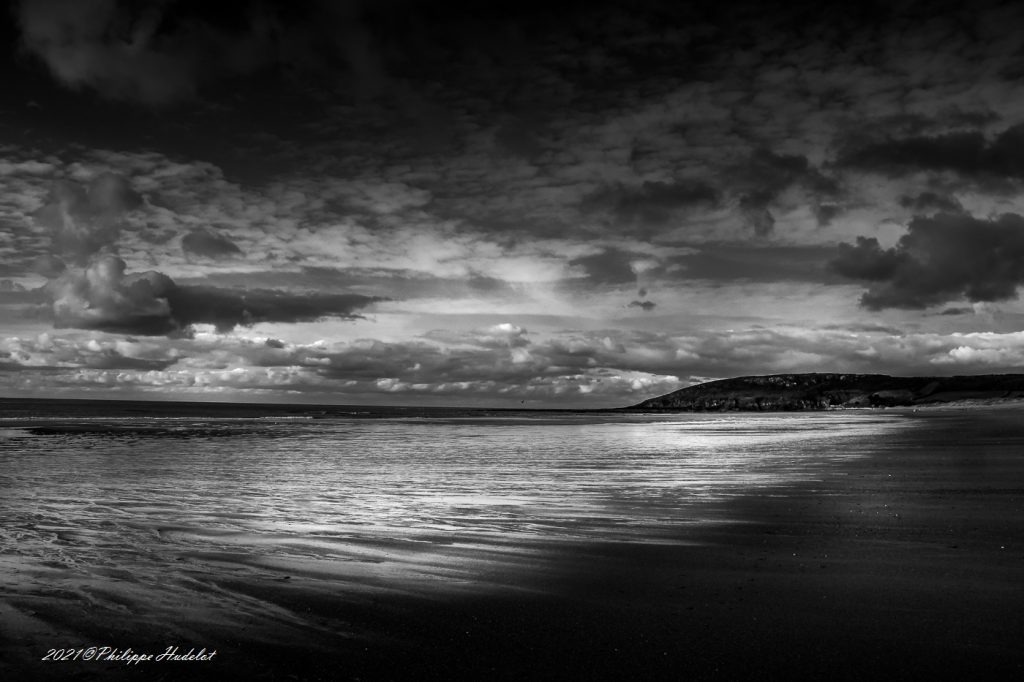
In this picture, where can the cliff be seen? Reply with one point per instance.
(794, 392)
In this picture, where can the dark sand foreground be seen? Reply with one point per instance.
(907, 563)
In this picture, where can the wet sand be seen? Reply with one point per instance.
(904, 564)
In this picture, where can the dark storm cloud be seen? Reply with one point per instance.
(755, 211)
(202, 242)
(955, 151)
(517, 135)
(104, 297)
(940, 259)
(756, 262)
(968, 153)
(927, 202)
(704, 122)
(154, 53)
(161, 53)
(651, 202)
(826, 212)
(83, 219)
(393, 283)
(227, 309)
(765, 175)
(85, 224)
(867, 260)
(611, 266)
(772, 171)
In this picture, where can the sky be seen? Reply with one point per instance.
(540, 204)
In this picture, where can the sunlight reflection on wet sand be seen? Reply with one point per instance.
(108, 517)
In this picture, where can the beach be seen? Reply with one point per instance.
(898, 559)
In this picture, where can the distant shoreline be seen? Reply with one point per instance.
(951, 405)
(820, 392)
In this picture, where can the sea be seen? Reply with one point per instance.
(82, 477)
(171, 518)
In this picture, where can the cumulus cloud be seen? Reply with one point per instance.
(939, 259)
(104, 297)
(47, 352)
(504, 335)
(101, 296)
(498, 362)
(87, 225)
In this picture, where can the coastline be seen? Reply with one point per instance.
(964, 404)
(817, 391)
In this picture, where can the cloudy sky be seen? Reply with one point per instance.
(504, 203)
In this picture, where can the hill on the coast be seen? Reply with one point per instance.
(788, 392)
